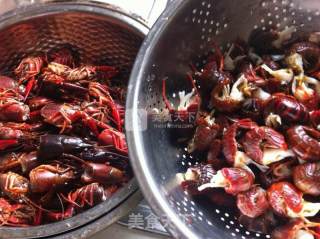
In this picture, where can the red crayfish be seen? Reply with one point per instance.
(48, 176)
(257, 132)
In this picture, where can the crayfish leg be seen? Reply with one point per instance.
(164, 95)
(29, 87)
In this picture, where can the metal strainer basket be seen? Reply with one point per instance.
(100, 34)
(184, 34)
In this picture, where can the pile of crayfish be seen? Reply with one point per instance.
(256, 133)
(62, 141)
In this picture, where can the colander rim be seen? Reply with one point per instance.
(148, 186)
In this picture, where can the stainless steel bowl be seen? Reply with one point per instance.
(101, 34)
(182, 35)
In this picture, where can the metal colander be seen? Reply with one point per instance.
(183, 35)
(100, 34)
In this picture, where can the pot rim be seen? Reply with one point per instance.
(80, 224)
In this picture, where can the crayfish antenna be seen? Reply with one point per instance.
(219, 56)
(69, 201)
(62, 207)
(29, 87)
(164, 95)
(31, 203)
(75, 158)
